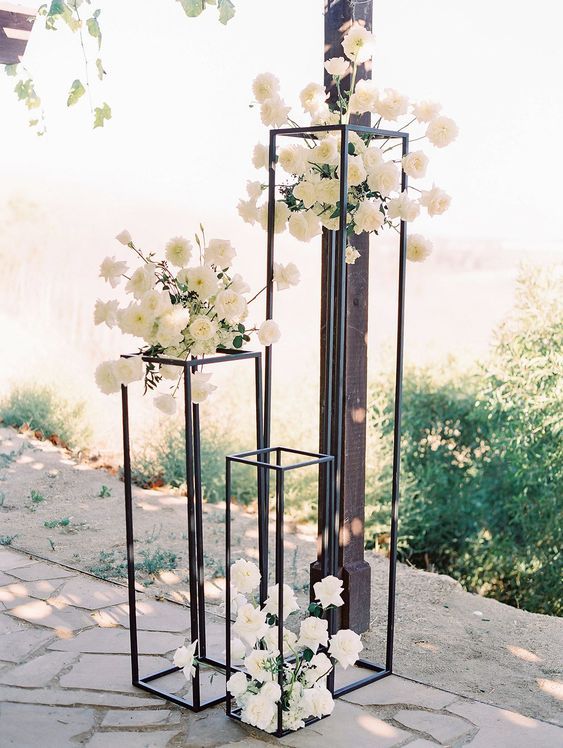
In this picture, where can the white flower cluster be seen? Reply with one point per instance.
(179, 309)
(256, 687)
(310, 198)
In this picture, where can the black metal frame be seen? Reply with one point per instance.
(195, 522)
(334, 294)
(329, 549)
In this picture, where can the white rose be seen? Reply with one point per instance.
(425, 111)
(312, 97)
(254, 190)
(289, 640)
(238, 284)
(105, 312)
(178, 251)
(167, 371)
(129, 369)
(265, 86)
(259, 665)
(219, 252)
(245, 576)
(201, 386)
(337, 66)
(293, 159)
(359, 145)
(415, 164)
(313, 633)
(318, 701)
(124, 237)
(304, 225)
(136, 320)
(442, 131)
(358, 44)
(317, 669)
(273, 112)
(238, 649)
(326, 152)
(201, 279)
(202, 328)
(289, 601)
(280, 216)
(142, 280)
(356, 171)
(237, 685)
(237, 600)
(166, 404)
(271, 690)
(403, 207)
(418, 248)
(345, 646)
(170, 327)
(368, 216)
(373, 157)
(328, 191)
(351, 255)
(306, 192)
(436, 201)
(230, 306)
(329, 591)
(259, 711)
(385, 178)
(392, 105)
(365, 96)
(260, 156)
(184, 659)
(250, 624)
(106, 378)
(156, 302)
(325, 117)
(286, 275)
(111, 270)
(269, 332)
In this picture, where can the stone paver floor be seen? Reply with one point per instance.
(65, 681)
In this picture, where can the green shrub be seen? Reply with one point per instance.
(109, 566)
(154, 561)
(42, 410)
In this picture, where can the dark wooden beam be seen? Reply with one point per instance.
(20, 20)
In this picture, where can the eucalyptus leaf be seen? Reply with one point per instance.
(101, 114)
(57, 8)
(100, 69)
(11, 70)
(94, 30)
(192, 8)
(226, 11)
(76, 92)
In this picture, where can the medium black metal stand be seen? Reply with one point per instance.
(194, 520)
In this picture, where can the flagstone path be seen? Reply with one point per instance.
(65, 681)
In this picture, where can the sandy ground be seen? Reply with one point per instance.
(445, 636)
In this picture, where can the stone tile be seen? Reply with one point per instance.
(19, 593)
(108, 672)
(18, 645)
(84, 592)
(247, 743)
(45, 726)
(151, 616)
(441, 727)
(39, 671)
(10, 559)
(421, 743)
(138, 718)
(500, 727)
(9, 625)
(116, 641)
(348, 725)
(71, 697)
(131, 739)
(397, 690)
(5, 579)
(212, 728)
(41, 614)
(41, 570)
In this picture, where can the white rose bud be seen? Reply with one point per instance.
(269, 332)
(166, 404)
(418, 248)
(124, 237)
(415, 164)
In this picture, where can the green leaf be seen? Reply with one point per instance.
(226, 11)
(240, 327)
(100, 69)
(351, 149)
(76, 92)
(94, 30)
(237, 342)
(192, 8)
(101, 114)
(11, 70)
(315, 610)
(308, 654)
(57, 8)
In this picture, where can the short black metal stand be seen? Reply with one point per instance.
(261, 458)
(334, 297)
(194, 522)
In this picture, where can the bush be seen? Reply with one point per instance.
(43, 411)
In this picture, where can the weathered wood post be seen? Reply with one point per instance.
(356, 572)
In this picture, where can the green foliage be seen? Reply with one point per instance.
(194, 8)
(76, 92)
(104, 492)
(36, 497)
(109, 566)
(51, 523)
(102, 114)
(43, 411)
(157, 560)
(7, 539)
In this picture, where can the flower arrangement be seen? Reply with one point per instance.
(309, 198)
(179, 309)
(308, 656)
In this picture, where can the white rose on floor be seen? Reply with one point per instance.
(201, 386)
(259, 665)
(305, 191)
(436, 201)
(293, 159)
(442, 131)
(280, 216)
(142, 280)
(289, 601)
(201, 279)
(219, 252)
(265, 86)
(317, 669)
(337, 66)
(250, 624)
(254, 190)
(313, 633)
(312, 97)
(304, 225)
(318, 701)
(415, 164)
(365, 96)
(351, 255)
(136, 320)
(124, 237)
(356, 171)
(345, 646)
(385, 179)
(166, 404)
(289, 640)
(259, 711)
(373, 157)
(106, 378)
(271, 691)
(269, 332)
(403, 207)
(202, 328)
(392, 105)
(238, 284)
(425, 111)
(178, 251)
(245, 576)
(237, 685)
(167, 371)
(170, 327)
(260, 156)
(368, 216)
(111, 270)
(358, 44)
(329, 591)
(129, 369)
(326, 152)
(238, 650)
(184, 659)
(286, 275)
(418, 248)
(273, 112)
(105, 312)
(230, 306)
